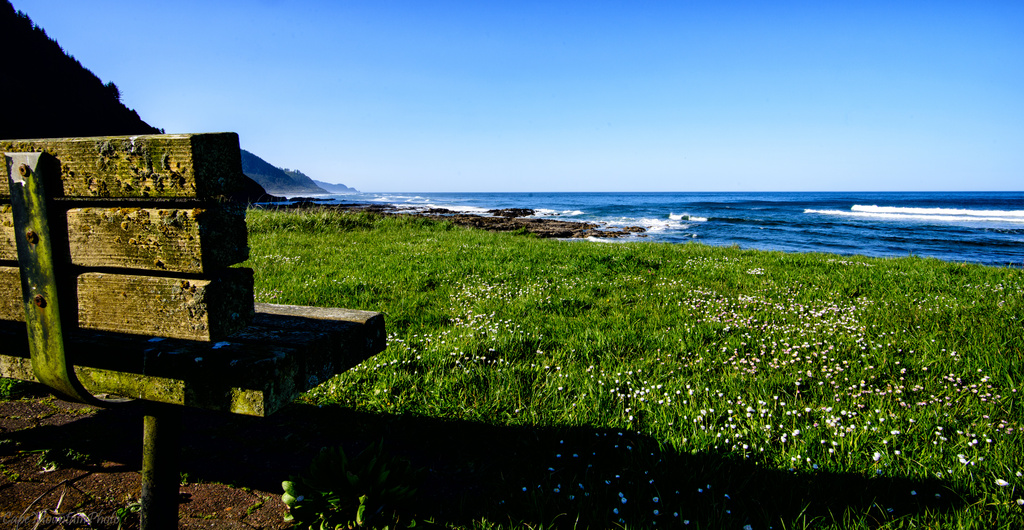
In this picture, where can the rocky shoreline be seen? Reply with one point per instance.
(501, 220)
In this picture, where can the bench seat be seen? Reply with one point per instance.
(286, 350)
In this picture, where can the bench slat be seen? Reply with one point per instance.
(195, 166)
(190, 240)
(194, 309)
(286, 351)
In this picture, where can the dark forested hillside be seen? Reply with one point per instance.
(276, 180)
(48, 93)
(304, 180)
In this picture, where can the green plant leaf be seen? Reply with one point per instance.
(334, 490)
(361, 510)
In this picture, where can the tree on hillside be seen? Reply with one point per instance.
(52, 94)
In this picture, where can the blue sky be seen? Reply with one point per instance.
(578, 96)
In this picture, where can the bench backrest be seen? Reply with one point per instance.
(143, 231)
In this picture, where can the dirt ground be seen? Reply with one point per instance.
(67, 463)
(59, 459)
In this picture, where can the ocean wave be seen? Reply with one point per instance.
(950, 215)
(399, 198)
(474, 210)
(650, 224)
(548, 212)
(1001, 214)
(469, 209)
(686, 217)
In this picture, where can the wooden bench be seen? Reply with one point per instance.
(117, 254)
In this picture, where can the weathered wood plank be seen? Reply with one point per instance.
(206, 309)
(255, 371)
(194, 309)
(11, 305)
(199, 166)
(180, 240)
(8, 247)
(191, 240)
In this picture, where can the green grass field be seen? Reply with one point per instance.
(678, 385)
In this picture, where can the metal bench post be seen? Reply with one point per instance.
(161, 442)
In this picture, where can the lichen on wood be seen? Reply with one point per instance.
(11, 303)
(191, 240)
(195, 309)
(286, 351)
(199, 166)
(187, 308)
(8, 247)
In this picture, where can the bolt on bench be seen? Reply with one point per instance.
(116, 255)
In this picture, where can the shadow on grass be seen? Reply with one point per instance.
(557, 476)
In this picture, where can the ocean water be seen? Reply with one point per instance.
(975, 227)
